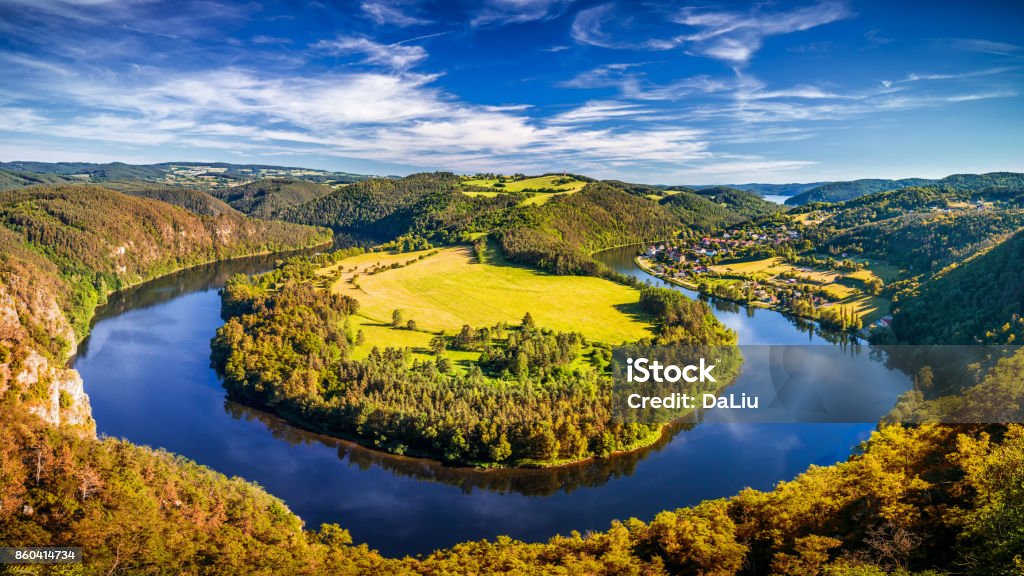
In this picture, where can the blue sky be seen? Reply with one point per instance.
(657, 92)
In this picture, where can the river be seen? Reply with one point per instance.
(147, 371)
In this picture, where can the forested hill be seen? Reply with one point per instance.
(700, 212)
(267, 197)
(557, 235)
(791, 189)
(64, 248)
(841, 191)
(18, 179)
(746, 204)
(107, 171)
(978, 301)
(1010, 182)
(427, 205)
(560, 235)
(922, 230)
(196, 201)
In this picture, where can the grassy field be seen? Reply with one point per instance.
(535, 183)
(474, 193)
(450, 288)
(844, 288)
(540, 182)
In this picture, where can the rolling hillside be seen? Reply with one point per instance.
(1007, 182)
(560, 236)
(64, 248)
(190, 199)
(978, 301)
(10, 179)
(747, 204)
(268, 197)
(700, 212)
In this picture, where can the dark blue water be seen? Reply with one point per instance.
(146, 370)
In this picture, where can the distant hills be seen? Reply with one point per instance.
(843, 191)
(10, 179)
(196, 174)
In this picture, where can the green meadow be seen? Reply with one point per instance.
(449, 288)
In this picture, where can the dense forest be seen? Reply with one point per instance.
(746, 204)
(535, 396)
(268, 197)
(702, 214)
(560, 236)
(196, 201)
(102, 240)
(978, 301)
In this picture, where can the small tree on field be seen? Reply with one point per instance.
(528, 321)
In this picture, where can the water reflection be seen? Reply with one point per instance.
(527, 481)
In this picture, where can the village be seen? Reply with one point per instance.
(769, 266)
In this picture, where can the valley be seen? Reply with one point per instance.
(416, 346)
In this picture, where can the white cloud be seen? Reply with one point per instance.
(397, 56)
(502, 12)
(389, 13)
(915, 77)
(730, 36)
(396, 117)
(596, 112)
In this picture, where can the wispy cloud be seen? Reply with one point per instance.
(633, 85)
(989, 47)
(502, 12)
(915, 77)
(604, 76)
(597, 112)
(391, 13)
(724, 35)
(397, 56)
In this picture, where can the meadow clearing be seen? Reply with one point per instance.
(449, 288)
(540, 182)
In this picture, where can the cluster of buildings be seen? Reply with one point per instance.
(695, 257)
